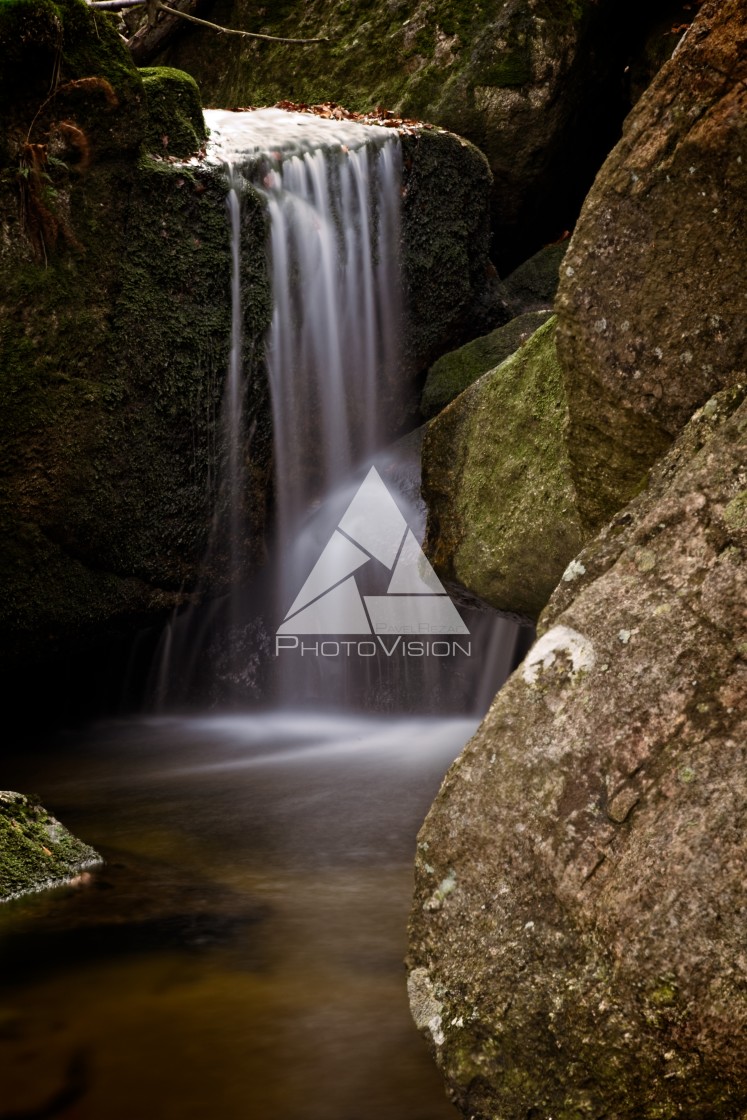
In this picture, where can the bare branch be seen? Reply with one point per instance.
(231, 30)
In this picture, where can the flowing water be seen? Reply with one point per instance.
(339, 390)
(239, 954)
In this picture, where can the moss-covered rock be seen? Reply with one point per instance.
(36, 851)
(114, 338)
(175, 122)
(447, 276)
(536, 85)
(578, 922)
(502, 518)
(652, 303)
(534, 283)
(66, 64)
(455, 371)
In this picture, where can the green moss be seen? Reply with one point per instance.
(455, 372)
(35, 850)
(112, 364)
(175, 121)
(502, 517)
(513, 68)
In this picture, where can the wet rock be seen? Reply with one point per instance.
(502, 519)
(445, 242)
(652, 304)
(454, 372)
(589, 960)
(36, 851)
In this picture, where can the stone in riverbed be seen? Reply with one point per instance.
(589, 959)
(36, 851)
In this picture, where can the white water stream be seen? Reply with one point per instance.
(339, 387)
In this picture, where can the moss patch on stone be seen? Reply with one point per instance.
(454, 372)
(175, 122)
(36, 851)
(502, 517)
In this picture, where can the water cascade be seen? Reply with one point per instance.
(338, 386)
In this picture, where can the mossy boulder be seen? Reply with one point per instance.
(502, 517)
(65, 62)
(36, 851)
(534, 283)
(537, 86)
(176, 125)
(457, 370)
(113, 360)
(576, 938)
(114, 338)
(652, 303)
(68, 83)
(447, 277)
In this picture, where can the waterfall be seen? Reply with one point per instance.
(338, 389)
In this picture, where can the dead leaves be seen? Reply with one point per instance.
(330, 110)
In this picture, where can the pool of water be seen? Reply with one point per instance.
(240, 952)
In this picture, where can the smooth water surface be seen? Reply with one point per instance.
(240, 953)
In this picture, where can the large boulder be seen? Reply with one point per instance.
(577, 934)
(502, 518)
(114, 337)
(652, 304)
(538, 86)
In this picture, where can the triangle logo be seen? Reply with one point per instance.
(372, 528)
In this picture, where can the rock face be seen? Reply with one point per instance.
(652, 303)
(537, 86)
(502, 520)
(445, 243)
(577, 936)
(114, 328)
(457, 370)
(36, 851)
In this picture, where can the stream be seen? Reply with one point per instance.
(239, 954)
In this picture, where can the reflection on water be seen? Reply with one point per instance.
(240, 953)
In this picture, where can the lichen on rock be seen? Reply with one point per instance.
(589, 961)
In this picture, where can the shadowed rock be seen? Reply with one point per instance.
(652, 305)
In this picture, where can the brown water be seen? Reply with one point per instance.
(240, 953)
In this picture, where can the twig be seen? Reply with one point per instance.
(232, 31)
(114, 5)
